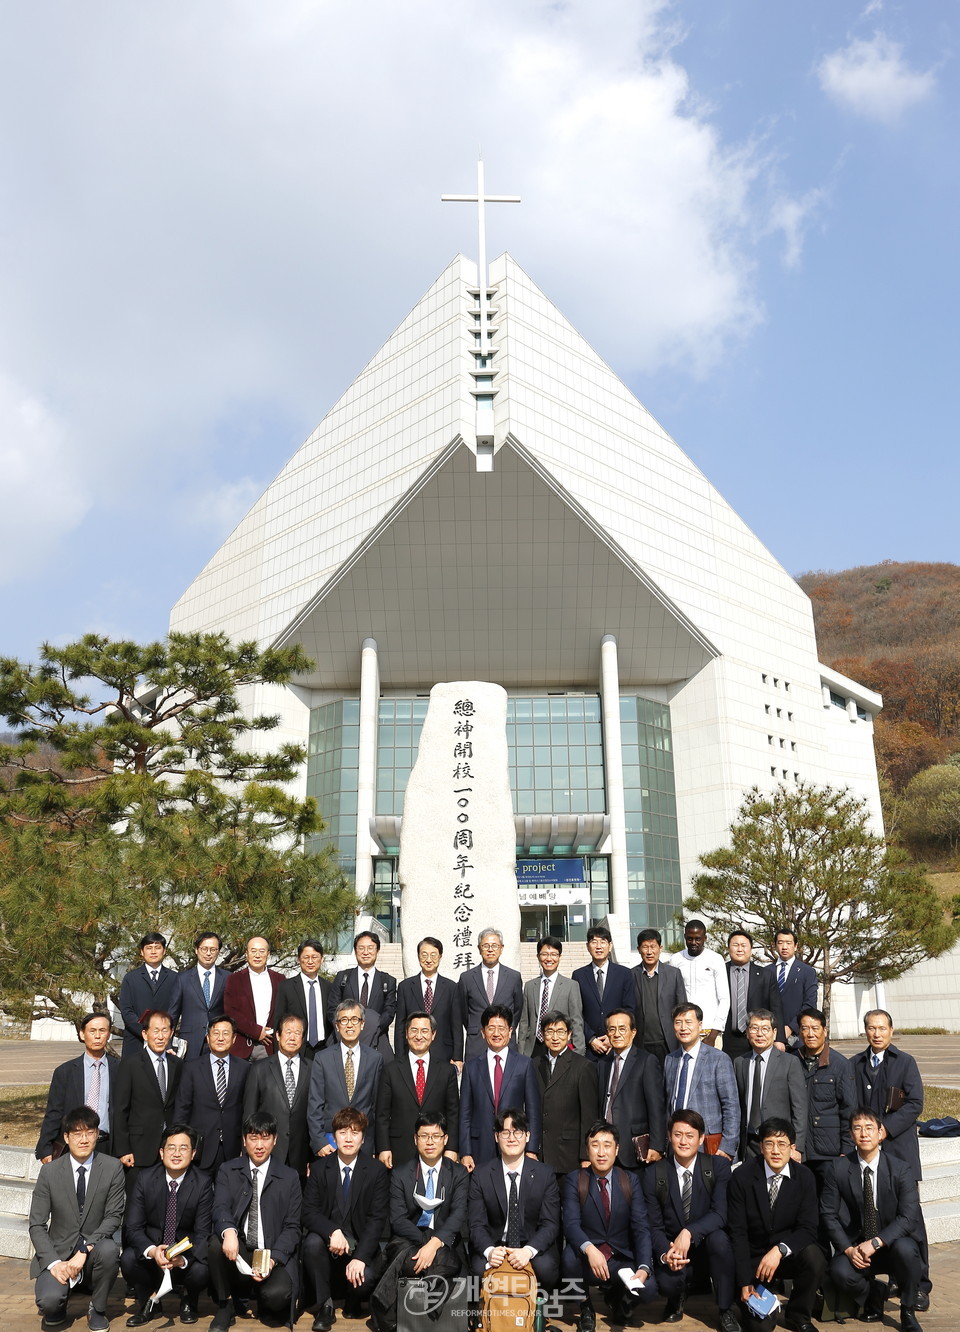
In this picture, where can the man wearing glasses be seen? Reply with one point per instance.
(343, 1075)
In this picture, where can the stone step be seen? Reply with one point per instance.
(15, 1195)
(14, 1237)
(18, 1163)
(940, 1182)
(939, 1151)
(942, 1220)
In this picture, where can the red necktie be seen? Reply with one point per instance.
(604, 1198)
(421, 1081)
(497, 1081)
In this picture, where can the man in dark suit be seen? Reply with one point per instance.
(605, 986)
(76, 1208)
(249, 998)
(568, 1096)
(606, 1231)
(201, 993)
(412, 1085)
(145, 989)
(796, 982)
(373, 989)
(514, 1222)
(170, 1202)
(545, 993)
(871, 1207)
(659, 989)
(686, 1197)
(498, 1078)
(489, 983)
(280, 1086)
(87, 1080)
(772, 1222)
(428, 1211)
(345, 1205)
(429, 992)
(751, 986)
(146, 1091)
(696, 1076)
(256, 1205)
(344, 1075)
(306, 996)
(210, 1097)
(631, 1092)
(770, 1084)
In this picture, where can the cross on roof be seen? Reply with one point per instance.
(480, 198)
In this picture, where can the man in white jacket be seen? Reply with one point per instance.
(705, 979)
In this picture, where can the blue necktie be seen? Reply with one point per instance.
(782, 977)
(312, 1014)
(425, 1215)
(682, 1084)
(206, 988)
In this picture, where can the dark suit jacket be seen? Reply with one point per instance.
(66, 1093)
(519, 1091)
(364, 1212)
(897, 1201)
(448, 1042)
(197, 1105)
(279, 1207)
(762, 992)
(147, 1210)
(568, 1108)
(382, 1000)
(56, 1222)
(619, 991)
(670, 992)
(137, 996)
(638, 1105)
(397, 1105)
(328, 1093)
(754, 1230)
(799, 992)
(707, 1213)
(564, 998)
(291, 999)
(265, 1089)
(140, 1114)
(473, 1000)
(194, 1013)
(627, 1231)
(449, 1219)
(238, 1004)
(784, 1093)
(539, 1205)
(897, 1069)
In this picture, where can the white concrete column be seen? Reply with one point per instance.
(613, 770)
(367, 764)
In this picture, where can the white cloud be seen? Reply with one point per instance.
(872, 79)
(219, 507)
(792, 215)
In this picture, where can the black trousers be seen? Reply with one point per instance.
(806, 1269)
(274, 1296)
(323, 1271)
(145, 1276)
(399, 1262)
(901, 1260)
(714, 1255)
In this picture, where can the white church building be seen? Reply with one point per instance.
(488, 501)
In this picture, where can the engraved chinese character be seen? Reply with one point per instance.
(462, 961)
(463, 708)
(463, 890)
(463, 837)
(463, 938)
(463, 728)
(463, 749)
(462, 913)
(462, 770)
(463, 864)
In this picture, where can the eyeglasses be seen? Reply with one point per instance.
(430, 1137)
(349, 1022)
(513, 1133)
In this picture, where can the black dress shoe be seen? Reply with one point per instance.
(908, 1321)
(145, 1314)
(188, 1313)
(799, 1325)
(324, 1319)
(673, 1310)
(352, 1307)
(222, 1319)
(922, 1302)
(729, 1322)
(588, 1317)
(54, 1324)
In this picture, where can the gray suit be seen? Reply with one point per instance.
(711, 1091)
(784, 1096)
(473, 1000)
(57, 1224)
(564, 997)
(670, 992)
(328, 1092)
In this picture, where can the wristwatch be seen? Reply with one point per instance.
(875, 1241)
(784, 1250)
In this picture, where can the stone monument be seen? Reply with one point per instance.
(457, 865)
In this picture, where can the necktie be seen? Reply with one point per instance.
(206, 988)
(153, 977)
(871, 1221)
(489, 985)
(774, 1189)
(221, 1081)
(543, 1007)
(428, 998)
(81, 1186)
(614, 1083)
(162, 1076)
(604, 1198)
(425, 1215)
(757, 1094)
(741, 975)
(682, 1082)
(513, 1213)
(93, 1093)
(347, 1171)
(421, 1081)
(170, 1220)
(497, 1081)
(782, 976)
(348, 1074)
(312, 1037)
(686, 1193)
(600, 984)
(365, 991)
(253, 1215)
(875, 1060)
(290, 1083)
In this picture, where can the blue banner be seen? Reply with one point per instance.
(569, 870)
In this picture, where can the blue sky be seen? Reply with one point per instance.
(211, 215)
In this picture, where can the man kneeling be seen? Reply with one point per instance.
(607, 1233)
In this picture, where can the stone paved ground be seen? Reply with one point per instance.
(18, 1312)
